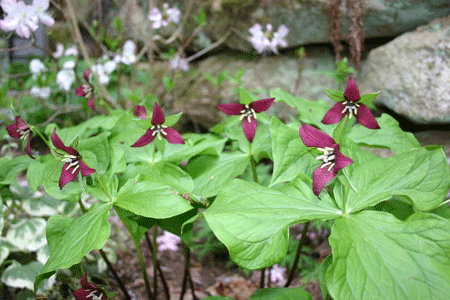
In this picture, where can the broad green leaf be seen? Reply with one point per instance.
(4, 252)
(136, 225)
(390, 135)
(297, 293)
(71, 239)
(367, 99)
(21, 276)
(335, 95)
(421, 175)
(323, 269)
(261, 146)
(44, 206)
(211, 173)
(117, 162)
(253, 221)
(95, 152)
(180, 225)
(106, 189)
(376, 256)
(310, 112)
(195, 145)
(27, 234)
(151, 199)
(246, 97)
(10, 168)
(290, 156)
(37, 170)
(52, 172)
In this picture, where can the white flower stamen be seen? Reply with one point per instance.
(73, 160)
(159, 130)
(328, 158)
(248, 113)
(350, 107)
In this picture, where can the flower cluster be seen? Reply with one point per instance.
(104, 70)
(24, 18)
(60, 51)
(66, 77)
(268, 41)
(168, 15)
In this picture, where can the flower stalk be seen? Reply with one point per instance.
(301, 243)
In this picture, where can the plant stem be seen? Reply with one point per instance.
(253, 164)
(301, 243)
(263, 278)
(108, 263)
(33, 128)
(161, 274)
(155, 262)
(144, 271)
(187, 274)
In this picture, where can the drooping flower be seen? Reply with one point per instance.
(73, 163)
(167, 16)
(268, 41)
(140, 112)
(89, 291)
(86, 90)
(168, 241)
(160, 130)
(21, 130)
(333, 159)
(350, 106)
(248, 114)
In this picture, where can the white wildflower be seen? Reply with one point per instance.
(168, 241)
(268, 41)
(179, 62)
(37, 66)
(128, 53)
(167, 16)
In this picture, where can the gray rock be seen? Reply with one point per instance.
(308, 19)
(413, 73)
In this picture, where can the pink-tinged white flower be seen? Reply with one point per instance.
(248, 114)
(86, 90)
(168, 241)
(89, 291)
(21, 130)
(19, 17)
(350, 106)
(73, 163)
(40, 7)
(37, 66)
(159, 130)
(104, 71)
(268, 41)
(276, 273)
(41, 92)
(333, 159)
(128, 56)
(68, 52)
(167, 16)
(179, 62)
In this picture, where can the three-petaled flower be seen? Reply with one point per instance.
(350, 106)
(333, 159)
(86, 90)
(73, 163)
(140, 112)
(21, 130)
(248, 114)
(160, 130)
(89, 291)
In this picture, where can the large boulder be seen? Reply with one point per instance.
(308, 19)
(413, 73)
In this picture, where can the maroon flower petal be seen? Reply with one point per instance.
(365, 117)
(91, 103)
(262, 105)
(60, 145)
(67, 175)
(86, 75)
(249, 128)
(334, 115)
(21, 125)
(351, 91)
(231, 108)
(146, 139)
(158, 115)
(82, 294)
(313, 137)
(85, 170)
(86, 284)
(321, 177)
(140, 112)
(28, 146)
(13, 130)
(80, 91)
(341, 160)
(173, 136)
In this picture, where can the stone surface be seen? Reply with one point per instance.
(308, 19)
(413, 73)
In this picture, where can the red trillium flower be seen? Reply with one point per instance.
(86, 90)
(160, 130)
(21, 130)
(333, 159)
(73, 163)
(248, 114)
(140, 112)
(351, 107)
(89, 291)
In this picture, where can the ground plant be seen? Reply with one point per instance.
(86, 139)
